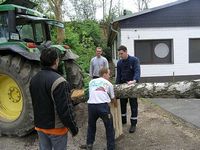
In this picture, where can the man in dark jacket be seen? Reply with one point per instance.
(53, 110)
(128, 71)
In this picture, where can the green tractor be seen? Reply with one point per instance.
(24, 32)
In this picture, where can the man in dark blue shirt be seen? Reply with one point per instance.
(128, 71)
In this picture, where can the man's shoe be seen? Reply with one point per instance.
(87, 147)
(132, 129)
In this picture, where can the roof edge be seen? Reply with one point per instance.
(149, 10)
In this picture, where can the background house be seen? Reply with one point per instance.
(166, 40)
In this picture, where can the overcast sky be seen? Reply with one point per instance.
(130, 5)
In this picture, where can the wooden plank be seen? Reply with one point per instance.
(117, 122)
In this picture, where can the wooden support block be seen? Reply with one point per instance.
(117, 121)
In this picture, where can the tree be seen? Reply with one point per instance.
(110, 9)
(83, 9)
(106, 18)
(56, 7)
(142, 4)
(43, 7)
(104, 8)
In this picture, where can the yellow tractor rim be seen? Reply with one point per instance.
(11, 100)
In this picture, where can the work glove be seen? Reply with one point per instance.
(74, 131)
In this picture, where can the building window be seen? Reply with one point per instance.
(194, 50)
(154, 51)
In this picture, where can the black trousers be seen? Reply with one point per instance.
(102, 111)
(134, 110)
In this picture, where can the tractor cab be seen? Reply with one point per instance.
(18, 23)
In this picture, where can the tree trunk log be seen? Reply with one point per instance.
(182, 89)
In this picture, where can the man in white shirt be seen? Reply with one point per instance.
(97, 63)
(101, 93)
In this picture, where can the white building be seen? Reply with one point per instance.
(166, 40)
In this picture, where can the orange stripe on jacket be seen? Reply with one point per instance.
(55, 131)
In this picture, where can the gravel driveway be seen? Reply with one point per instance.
(156, 130)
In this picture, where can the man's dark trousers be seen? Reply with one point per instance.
(102, 111)
(134, 110)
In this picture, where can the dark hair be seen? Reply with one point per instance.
(102, 71)
(48, 56)
(122, 47)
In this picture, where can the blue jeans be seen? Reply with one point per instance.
(102, 111)
(49, 142)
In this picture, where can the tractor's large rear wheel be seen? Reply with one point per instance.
(74, 74)
(16, 113)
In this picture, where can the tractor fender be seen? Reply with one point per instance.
(69, 55)
(21, 51)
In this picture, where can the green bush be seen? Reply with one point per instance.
(83, 37)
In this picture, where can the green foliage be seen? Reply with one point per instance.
(83, 37)
(1, 1)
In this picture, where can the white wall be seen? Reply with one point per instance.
(180, 37)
